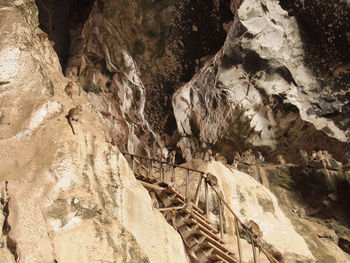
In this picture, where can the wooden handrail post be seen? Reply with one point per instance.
(173, 172)
(196, 198)
(141, 162)
(132, 163)
(187, 176)
(221, 220)
(150, 167)
(238, 240)
(161, 172)
(206, 199)
(253, 247)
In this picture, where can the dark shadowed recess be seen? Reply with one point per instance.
(324, 23)
(324, 28)
(56, 17)
(196, 33)
(201, 30)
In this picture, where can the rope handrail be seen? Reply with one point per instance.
(203, 175)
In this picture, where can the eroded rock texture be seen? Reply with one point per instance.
(130, 56)
(259, 90)
(64, 197)
(288, 234)
(152, 76)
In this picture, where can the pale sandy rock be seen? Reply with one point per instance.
(122, 103)
(296, 239)
(338, 255)
(251, 200)
(72, 198)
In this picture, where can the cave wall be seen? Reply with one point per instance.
(173, 42)
(259, 92)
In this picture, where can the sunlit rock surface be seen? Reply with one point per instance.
(257, 91)
(64, 197)
(297, 239)
(74, 199)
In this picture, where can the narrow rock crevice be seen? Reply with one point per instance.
(6, 228)
(59, 18)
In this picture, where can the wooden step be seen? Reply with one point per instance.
(217, 258)
(197, 217)
(181, 200)
(215, 240)
(181, 219)
(166, 199)
(193, 220)
(203, 255)
(187, 231)
(210, 235)
(150, 180)
(218, 251)
(193, 241)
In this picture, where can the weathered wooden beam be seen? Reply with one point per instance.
(151, 186)
(253, 247)
(206, 200)
(221, 225)
(196, 197)
(187, 177)
(238, 241)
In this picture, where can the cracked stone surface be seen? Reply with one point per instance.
(69, 198)
(257, 91)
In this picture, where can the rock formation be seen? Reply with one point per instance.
(64, 198)
(157, 76)
(259, 91)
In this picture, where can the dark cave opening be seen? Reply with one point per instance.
(58, 17)
(202, 31)
(196, 33)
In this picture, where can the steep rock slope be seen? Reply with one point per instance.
(130, 56)
(259, 91)
(289, 237)
(64, 197)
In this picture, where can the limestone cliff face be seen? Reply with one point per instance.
(130, 56)
(288, 236)
(267, 80)
(64, 197)
(73, 198)
(259, 90)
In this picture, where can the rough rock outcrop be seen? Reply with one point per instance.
(69, 198)
(308, 241)
(258, 91)
(99, 44)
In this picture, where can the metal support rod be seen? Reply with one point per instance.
(196, 198)
(187, 177)
(238, 241)
(221, 220)
(206, 200)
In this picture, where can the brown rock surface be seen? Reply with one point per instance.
(67, 198)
